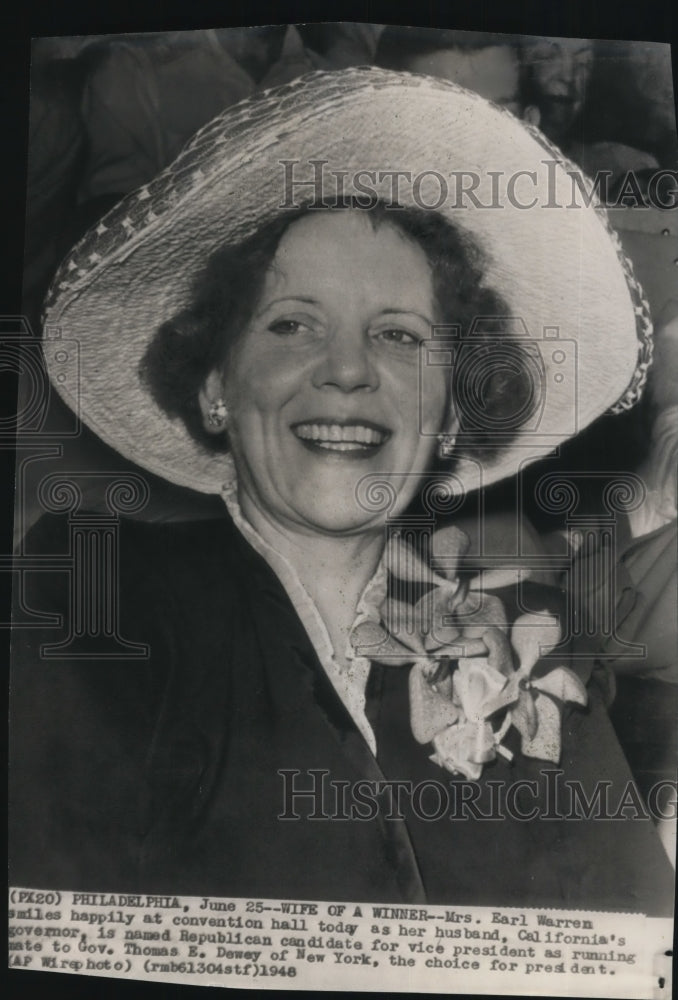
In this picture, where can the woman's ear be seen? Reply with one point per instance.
(451, 425)
(212, 404)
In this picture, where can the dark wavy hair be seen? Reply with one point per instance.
(487, 386)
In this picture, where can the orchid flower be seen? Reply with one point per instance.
(536, 712)
(456, 622)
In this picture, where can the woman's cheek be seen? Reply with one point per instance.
(266, 381)
(432, 406)
(250, 390)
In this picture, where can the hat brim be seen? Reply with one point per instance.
(556, 263)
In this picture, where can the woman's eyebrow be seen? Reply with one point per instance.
(294, 298)
(394, 311)
(306, 299)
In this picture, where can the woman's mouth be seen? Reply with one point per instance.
(354, 439)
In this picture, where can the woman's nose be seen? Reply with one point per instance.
(346, 363)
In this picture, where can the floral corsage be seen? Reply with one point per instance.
(471, 675)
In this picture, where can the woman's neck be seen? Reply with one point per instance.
(334, 570)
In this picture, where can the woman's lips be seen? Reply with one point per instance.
(351, 438)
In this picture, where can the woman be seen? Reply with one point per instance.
(271, 321)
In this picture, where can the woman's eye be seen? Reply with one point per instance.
(394, 335)
(285, 327)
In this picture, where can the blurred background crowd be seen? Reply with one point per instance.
(109, 112)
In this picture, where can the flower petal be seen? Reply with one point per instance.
(446, 636)
(434, 613)
(430, 710)
(451, 747)
(495, 579)
(545, 744)
(524, 716)
(499, 648)
(404, 563)
(373, 641)
(478, 687)
(479, 610)
(463, 647)
(480, 745)
(402, 623)
(533, 636)
(448, 546)
(562, 683)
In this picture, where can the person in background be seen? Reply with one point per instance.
(642, 587)
(143, 100)
(342, 44)
(555, 78)
(146, 96)
(57, 149)
(485, 63)
(630, 103)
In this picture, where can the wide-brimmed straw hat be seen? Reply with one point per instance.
(551, 254)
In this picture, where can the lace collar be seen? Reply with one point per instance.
(348, 680)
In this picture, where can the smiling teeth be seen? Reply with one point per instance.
(341, 436)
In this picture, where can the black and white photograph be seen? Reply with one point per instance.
(344, 639)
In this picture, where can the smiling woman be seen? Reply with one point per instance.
(304, 351)
(312, 366)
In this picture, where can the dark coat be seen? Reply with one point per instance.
(162, 774)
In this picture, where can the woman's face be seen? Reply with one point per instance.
(322, 387)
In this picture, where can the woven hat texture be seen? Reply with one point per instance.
(559, 266)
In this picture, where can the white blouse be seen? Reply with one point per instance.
(349, 680)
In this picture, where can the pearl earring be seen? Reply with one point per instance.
(446, 444)
(217, 415)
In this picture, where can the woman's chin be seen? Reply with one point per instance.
(337, 502)
(337, 518)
